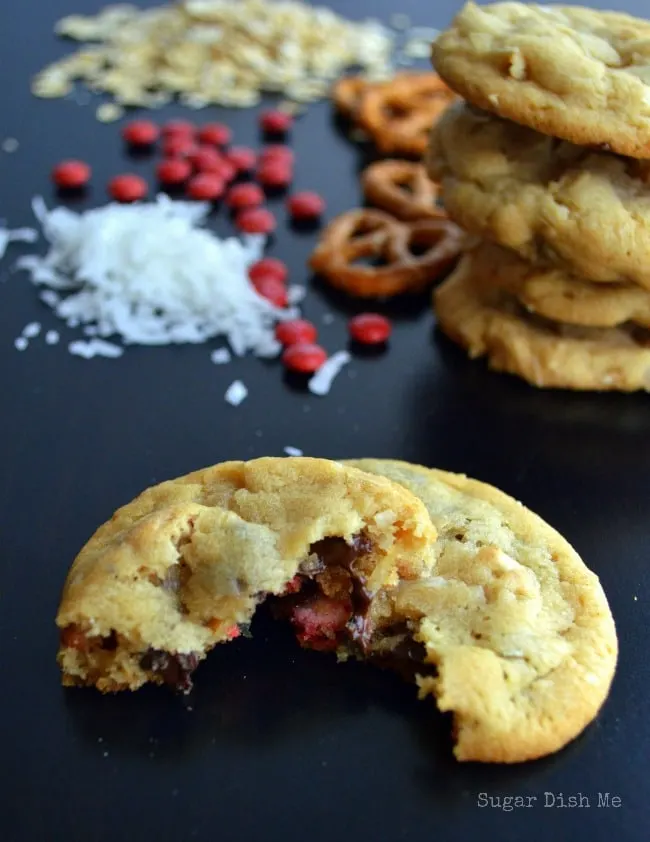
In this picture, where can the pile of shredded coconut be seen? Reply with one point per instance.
(215, 52)
(150, 275)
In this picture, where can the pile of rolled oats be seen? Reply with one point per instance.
(214, 52)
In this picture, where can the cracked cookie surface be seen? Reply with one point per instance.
(518, 627)
(566, 71)
(553, 203)
(182, 566)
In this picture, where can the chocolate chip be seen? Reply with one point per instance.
(336, 552)
(110, 643)
(175, 670)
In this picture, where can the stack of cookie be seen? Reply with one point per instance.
(546, 164)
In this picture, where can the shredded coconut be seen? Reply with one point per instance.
(18, 235)
(221, 356)
(321, 382)
(52, 337)
(292, 451)
(296, 294)
(236, 393)
(149, 274)
(20, 343)
(31, 330)
(95, 348)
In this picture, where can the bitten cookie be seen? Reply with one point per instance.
(550, 201)
(474, 310)
(566, 71)
(180, 568)
(518, 629)
(556, 295)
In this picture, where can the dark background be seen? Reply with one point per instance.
(279, 744)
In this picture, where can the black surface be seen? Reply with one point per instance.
(279, 744)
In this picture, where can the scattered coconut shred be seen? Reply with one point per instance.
(321, 382)
(150, 275)
(17, 235)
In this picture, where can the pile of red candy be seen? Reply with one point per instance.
(200, 163)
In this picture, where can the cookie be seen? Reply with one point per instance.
(566, 71)
(477, 313)
(183, 566)
(556, 295)
(517, 628)
(550, 201)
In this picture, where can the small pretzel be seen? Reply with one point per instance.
(347, 93)
(399, 114)
(412, 255)
(402, 188)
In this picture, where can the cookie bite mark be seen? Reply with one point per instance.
(184, 566)
(332, 610)
(327, 602)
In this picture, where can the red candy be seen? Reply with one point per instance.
(245, 196)
(233, 632)
(178, 146)
(215, 134)
(294, 585)
(242, 158)
(178, 127)
(173, 171)
(269, 267)
(141, 133)
(305, 206)
(71, 175)
(273, 291)
(128, 188)
(206, 187)
(370, 328)
(298, 330)
(275, 174)
(276, 122)
(276, 151)
(224, 169)
(304, 357)
(205, 159)
(256, 221)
